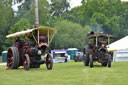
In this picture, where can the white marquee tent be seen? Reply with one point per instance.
(120, 48)
(121, 44)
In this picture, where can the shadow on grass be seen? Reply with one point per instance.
(97, 66)
(4, 68)
(100, 66)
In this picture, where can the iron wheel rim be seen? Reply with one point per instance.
(10, 59)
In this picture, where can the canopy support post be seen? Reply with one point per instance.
(38, 36)
(96, 41)
(52, 38)
(34, 38)
(48, 36)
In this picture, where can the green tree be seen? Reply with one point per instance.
(59, 7)
(123, 19)
(103, 15)
(76, 15)
(26, 10)
(69, 35)
(6, 20)
(98, 18)
(21, 25)
(108, 25)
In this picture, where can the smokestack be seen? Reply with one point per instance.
(36, 13)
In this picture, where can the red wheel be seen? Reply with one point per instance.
(26, 62)
(13, 58)
(49, 62)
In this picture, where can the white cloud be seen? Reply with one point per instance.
(75, 3)
(15, 7)
(124, 0)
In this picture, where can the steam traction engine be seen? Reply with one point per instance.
(97, 49)
(28, 48)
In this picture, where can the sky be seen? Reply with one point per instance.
(73, 3)
(124, 0)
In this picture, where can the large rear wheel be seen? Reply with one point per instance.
(49, 62)
(13, 58)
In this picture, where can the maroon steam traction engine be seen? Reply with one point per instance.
(97, 49)
(28, 47)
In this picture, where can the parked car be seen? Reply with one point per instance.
(78, 56)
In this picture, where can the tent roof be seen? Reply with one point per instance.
(120, 44)
(42, 29)
(72, 49)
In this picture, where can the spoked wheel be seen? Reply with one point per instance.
(13, 58)
(26, 62)
(109, 60)
(91, 60)
(49, 62)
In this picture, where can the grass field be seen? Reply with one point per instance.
(67, 74)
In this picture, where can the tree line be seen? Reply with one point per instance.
(109, 16)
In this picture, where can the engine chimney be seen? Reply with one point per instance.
(36, 13)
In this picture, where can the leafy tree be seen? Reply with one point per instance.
(21, 25)
(102, 15)
(123, 19)
(59, 7)
(110, 16)
(98, 18)
(6, 20)
(76, 15)
(69, 35)
(111, 25)
(26, 10)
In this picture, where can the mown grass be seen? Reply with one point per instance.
(67, 74)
